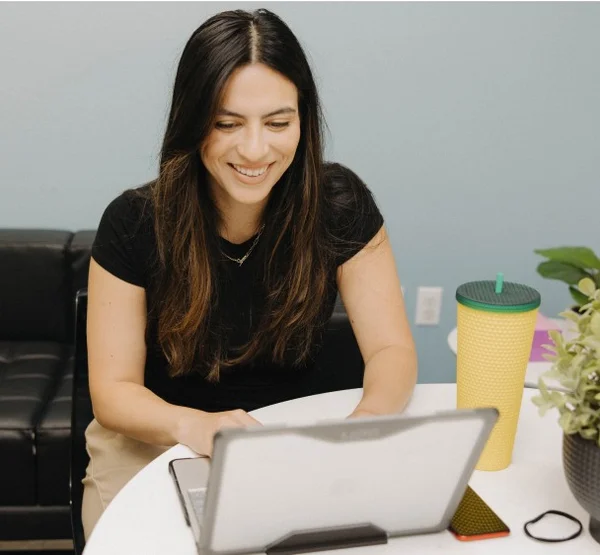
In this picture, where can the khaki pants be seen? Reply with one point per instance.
(114, 460)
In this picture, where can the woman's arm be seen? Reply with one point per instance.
(116, 324)
(371, 292)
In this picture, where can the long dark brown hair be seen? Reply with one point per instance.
(296, 254)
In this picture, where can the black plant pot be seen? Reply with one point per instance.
(581, 462)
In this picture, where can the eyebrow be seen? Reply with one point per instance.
(286, 110)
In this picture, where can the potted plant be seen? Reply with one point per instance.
(571, 265)
(576, 364)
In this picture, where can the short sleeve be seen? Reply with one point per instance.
(354, 217)
(119, 242)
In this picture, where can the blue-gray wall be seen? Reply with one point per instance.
(477, 125)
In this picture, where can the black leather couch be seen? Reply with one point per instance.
(40, 274)
(40, 271)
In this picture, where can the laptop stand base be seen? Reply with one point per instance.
(329, 538)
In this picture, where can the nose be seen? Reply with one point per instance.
(253, 145)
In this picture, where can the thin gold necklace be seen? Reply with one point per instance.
(241, 260)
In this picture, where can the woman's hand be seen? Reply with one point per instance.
(361, 413)
(197, 428)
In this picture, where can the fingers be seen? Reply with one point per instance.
(237, 419)
(250, 420)
(206, 425)
(231, 419)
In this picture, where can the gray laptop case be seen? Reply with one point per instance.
(294, 489)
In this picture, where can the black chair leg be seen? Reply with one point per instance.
(81, 416)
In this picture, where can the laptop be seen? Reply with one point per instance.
(291, 489)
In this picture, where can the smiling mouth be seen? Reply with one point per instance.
(257, 172)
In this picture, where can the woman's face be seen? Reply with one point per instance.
(254, 137)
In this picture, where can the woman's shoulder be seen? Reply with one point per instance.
(351, 215)
(132, 208)
(348, 197)
(124, 241)
(338, 177)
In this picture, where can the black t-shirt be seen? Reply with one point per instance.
(125, 246)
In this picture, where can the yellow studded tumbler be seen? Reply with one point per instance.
(495, 328)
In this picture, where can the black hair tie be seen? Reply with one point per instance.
(554, 540)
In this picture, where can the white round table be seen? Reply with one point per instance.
(146, 518)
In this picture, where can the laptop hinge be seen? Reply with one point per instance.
(328, 538)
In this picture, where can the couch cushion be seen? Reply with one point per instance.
(35, 289)
(80, 251)
(28, 372)
(53, 440)
(34, 523)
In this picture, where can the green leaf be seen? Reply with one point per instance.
(556, 337)
(583, 323)
(553, 374)
(570, 315)
(588, 388)
(583, 420)
(587, 286)
(595, 324)
(561, 271)
(550, 348)
(589, 433)
(566, 421)
(592, 343)
(543, 389)
(582, 257)
(593, 367)
(578, 296)
(557, 399)
(589, 410)
(569, 383)
(578, 362)
(570, 399)
(538, 401)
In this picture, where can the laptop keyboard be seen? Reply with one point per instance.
(197, 497)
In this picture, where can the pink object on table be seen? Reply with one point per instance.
(540, 337)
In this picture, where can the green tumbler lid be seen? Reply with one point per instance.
(498, 296)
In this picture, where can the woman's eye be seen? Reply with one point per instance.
(228, 125)
(225, 125)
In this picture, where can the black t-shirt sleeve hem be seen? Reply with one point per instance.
(355, 218)
(117, 241)
(375, 223)
(115, 269)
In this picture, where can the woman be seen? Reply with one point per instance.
(210, 287)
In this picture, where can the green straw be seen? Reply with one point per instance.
(499, 282)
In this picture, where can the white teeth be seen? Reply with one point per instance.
(250, 173)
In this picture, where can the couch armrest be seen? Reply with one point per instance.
(80, 251)
(34, 285)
